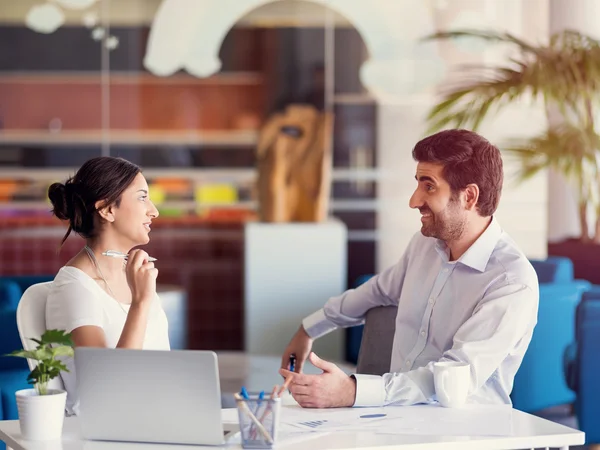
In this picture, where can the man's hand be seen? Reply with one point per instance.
(331, 389)
(300, 345)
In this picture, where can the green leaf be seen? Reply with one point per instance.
(61, 366)
(35, 375)
(63, 350)
(29, 354)
(57, 337)
(42, 354)
(53, 344)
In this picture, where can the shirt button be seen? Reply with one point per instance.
(445, 270)
(431, 300)
(422, 332)
(408, 362)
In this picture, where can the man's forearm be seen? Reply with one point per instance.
(317, 324)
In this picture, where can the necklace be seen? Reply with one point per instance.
(92, 257)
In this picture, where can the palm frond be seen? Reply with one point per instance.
(565, 73)
(487, 35)
(569, 149)
(468, 105)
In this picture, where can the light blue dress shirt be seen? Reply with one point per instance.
(480, 309)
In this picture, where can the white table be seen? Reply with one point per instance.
(527, 432)
(238, 369)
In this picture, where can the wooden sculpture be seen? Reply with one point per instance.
(294, 165)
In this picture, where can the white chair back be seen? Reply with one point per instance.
(31, 321)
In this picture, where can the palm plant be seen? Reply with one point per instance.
(565, 76)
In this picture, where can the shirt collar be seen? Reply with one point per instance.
(479, 253)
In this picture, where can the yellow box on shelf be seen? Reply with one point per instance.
(158, 196)
(209, 195)
(216, 193)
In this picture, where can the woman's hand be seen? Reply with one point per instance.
(141, 277)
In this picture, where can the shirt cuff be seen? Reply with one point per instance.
(317, 325)
(370, 390)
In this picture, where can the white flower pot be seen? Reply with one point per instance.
(41, 416)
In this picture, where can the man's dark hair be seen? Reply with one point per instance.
(468, 158)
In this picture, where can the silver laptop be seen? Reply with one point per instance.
(169, 397)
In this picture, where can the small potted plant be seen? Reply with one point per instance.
(42, 410)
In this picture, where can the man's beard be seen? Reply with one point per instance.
(447, 225)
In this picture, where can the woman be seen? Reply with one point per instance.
(104, 301)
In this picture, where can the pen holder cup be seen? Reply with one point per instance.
(259, 420)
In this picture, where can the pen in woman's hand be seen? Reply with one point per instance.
(116, 254)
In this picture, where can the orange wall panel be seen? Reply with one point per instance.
(31, 105)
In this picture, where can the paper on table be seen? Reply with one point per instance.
(471, 420)
(286, 434)
(338, 419)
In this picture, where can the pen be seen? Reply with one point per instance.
(244, 393)
(285, 385)
(261, 396)
(268, 408)
(292, 362)
(125, 256)
(253, 418)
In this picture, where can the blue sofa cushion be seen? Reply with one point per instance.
(10, 341)
(13, 371)
(588, 367)
(571, 355)
(24, 281)
(12, 381)
(554, 269)
(540, 382)
(10, 294)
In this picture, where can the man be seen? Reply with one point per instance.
(464, 291)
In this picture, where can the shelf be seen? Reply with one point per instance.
(183, 204)
(225, 138)
(199, 173)
(354, 99)
(233, 78)
(337, 205)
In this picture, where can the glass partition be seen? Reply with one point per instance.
(75, 83)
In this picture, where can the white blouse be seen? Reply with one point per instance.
(76, 300)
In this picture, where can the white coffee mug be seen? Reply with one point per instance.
(452, 381)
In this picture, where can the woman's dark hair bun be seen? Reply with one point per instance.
(58, 195)
(100, 179)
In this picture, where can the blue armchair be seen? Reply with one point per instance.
(554, 269)
(540, 382)
(582, 365)
(13, 371)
